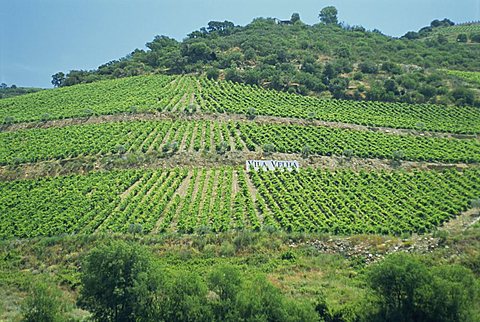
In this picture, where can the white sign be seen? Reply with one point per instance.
(272, 165)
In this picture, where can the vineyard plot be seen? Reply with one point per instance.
(168, 137)
(225, 96)
(364, 144)
(173, 94)
(345, 202)
(222, 199)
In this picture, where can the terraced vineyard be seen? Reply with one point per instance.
(173, 94)
(34, 145)
(220, 199)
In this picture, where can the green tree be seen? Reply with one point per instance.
(462, 38)
(328, 15)
(295, 17)
(118, 280)
(398, 282)
(226, 282)
(185, 299)
(58, 79)
(409, 291)
(213, 73)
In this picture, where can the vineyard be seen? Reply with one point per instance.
(102, 139)
(465, 28)
(222, 198)
(172, 94)
(473, 77)
(225, 198)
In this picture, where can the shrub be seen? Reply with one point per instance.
(42, 305)
(409, 291)
(368, 67)
(268, 148)
(117, 282)
(251, 113)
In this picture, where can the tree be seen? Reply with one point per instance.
(223, 28)
(226, 282)
(328, 15)
(410, 291)
(213, 73)
(398, 282)
(462, 38)
(185, 299)
(58, 79)
(118, 281)
(475, 37)
(295, 17)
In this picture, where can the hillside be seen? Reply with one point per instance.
(12, 91)
(326, 60)
(130, 193)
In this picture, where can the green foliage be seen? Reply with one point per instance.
(251, 113)
(268, 54)
(219, 96)
(308, 200)
(475, 37)
(268, 148)
(43, 304)
(368, 67)
(185, 299)
(409, 291)
(117, 280)
(328, 15)
(462, 38)
(261, 301)
(213, 73)
(121, 282)
(12, 91)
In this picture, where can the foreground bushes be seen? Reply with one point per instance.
(410, 291)
(122, 282)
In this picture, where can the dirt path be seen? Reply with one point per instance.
(208, 160)
(224, 117)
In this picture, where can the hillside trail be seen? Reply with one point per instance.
(204, 159)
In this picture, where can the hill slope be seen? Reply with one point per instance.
(328, 60)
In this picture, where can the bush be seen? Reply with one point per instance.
(261, 301)
(368, 67)
(268, 148)
(117, 282)
(42, 305)
(462, 38)
(475, 37)
(213, 73)
(185, 299)
(408, 291)
(251, 113)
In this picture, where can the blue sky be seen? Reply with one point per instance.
(40, 37)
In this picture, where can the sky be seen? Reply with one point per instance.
(41, 37)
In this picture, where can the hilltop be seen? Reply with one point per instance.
(325, 59)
